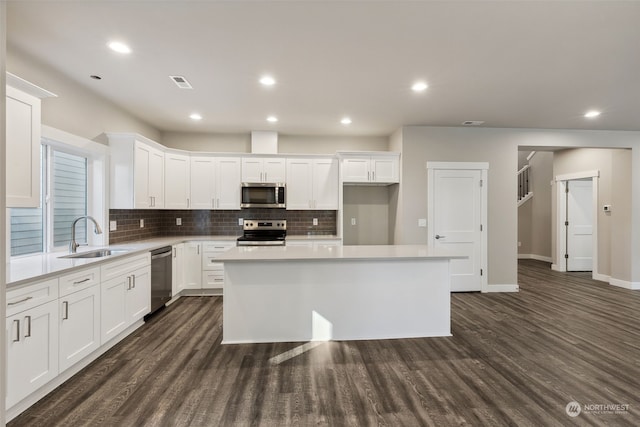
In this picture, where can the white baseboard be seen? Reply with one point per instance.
(502, 288)
(600, 277)
(560, 268)
(624, 284)
(534, 256)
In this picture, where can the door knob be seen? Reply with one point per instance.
(438, 237)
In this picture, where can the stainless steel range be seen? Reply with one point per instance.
(258, 232)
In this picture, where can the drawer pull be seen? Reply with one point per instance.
(20, 302)
(28, 320)
(17, 337)
(218, 280)
(81, 281)
(65, 310)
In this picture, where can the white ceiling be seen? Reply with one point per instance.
(512, 64)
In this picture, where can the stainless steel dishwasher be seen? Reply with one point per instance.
(160, 277)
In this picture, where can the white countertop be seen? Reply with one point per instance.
(293, 253)
(42, 266)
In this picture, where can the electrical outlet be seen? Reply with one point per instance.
(113, 225)
(353, 221)
(178, 221)
(519, 244)
(315, 221)
(142, 223)
(240, 221)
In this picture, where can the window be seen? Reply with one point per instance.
(64, 198)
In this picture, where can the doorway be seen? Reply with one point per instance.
(457, 215)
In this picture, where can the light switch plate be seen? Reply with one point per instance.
(113, 225)
(178, 221)
(142, 223)
(422, 222)
(353, 221)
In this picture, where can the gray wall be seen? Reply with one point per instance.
(369, 205)
(614, 228)
(287, 144)
(534, 216)
(500, 147)
(77, 109)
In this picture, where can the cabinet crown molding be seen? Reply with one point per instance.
(28, 87)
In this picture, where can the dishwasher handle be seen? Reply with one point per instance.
(161, 253)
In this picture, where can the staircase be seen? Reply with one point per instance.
(524, 190)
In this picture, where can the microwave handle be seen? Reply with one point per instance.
(277, 190)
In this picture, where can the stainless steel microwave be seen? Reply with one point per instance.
(263, 195)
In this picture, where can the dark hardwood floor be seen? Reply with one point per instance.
(513, 359)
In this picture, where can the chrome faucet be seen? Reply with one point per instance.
(73, 245)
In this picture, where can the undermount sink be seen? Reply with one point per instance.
(99, 253)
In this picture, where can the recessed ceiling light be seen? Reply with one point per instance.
(195, 116)
(272, 119)
(345, 121)
(591, 114)
(119, 47)
(419, 86)
(267, 81)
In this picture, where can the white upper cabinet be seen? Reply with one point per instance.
(23, 130)
(312, 184)
(177, 181)
(263, 169)
(137, 172)
(374, 168)
(215, 182)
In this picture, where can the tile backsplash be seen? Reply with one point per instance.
(159, 223)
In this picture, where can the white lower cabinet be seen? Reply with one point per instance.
(177, 269)
(32, 350)
(79, 325)
(213, 271)
(193, 265)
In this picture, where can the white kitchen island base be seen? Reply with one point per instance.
(344, 293)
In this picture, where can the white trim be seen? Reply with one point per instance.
(536, 257)
(624, 284)
(601, 278)
(578, 175)
(484, 208)
(28, 87)
(501, 288)
(458, 165)
(530, 156)
(560, 268)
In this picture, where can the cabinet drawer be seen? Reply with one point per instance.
(218, 246)
(124, 266)
(79, 280)
(31, 295)
(209, 262)
(212, 279)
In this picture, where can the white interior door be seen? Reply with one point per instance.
(580, 225)
(457, 220)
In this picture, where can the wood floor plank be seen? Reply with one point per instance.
(513, 359)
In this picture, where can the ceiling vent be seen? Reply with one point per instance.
(181, 82)
(473, 122)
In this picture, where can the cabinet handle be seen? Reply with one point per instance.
(128, 283)
(17, 337)
(175, 253)
(188, 203)
(373, 176)
(81, 281)
(20, 302)
(368, 176)
(28, 320)
(213, 203)
(218, 280)
(65, 310)
(198, 249)
(133, 277)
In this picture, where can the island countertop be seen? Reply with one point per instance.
(292, 253)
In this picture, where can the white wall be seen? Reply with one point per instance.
(3, 194)
(498, 147)
(77, 109)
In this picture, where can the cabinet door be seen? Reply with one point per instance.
(299, 184)
(79, 325)
(156, 178)
(177, 188)
(325, 184)
(251, 169)
(228, 183)
(385, 169)
(22, 149)
(193, 265)
(203, 181)
(113, 315)
(138, 300)
(177, 269)
(274, 170)
(32, 350)
(141, 158)
(356, 170)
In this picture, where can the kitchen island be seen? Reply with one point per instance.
(286, 294)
